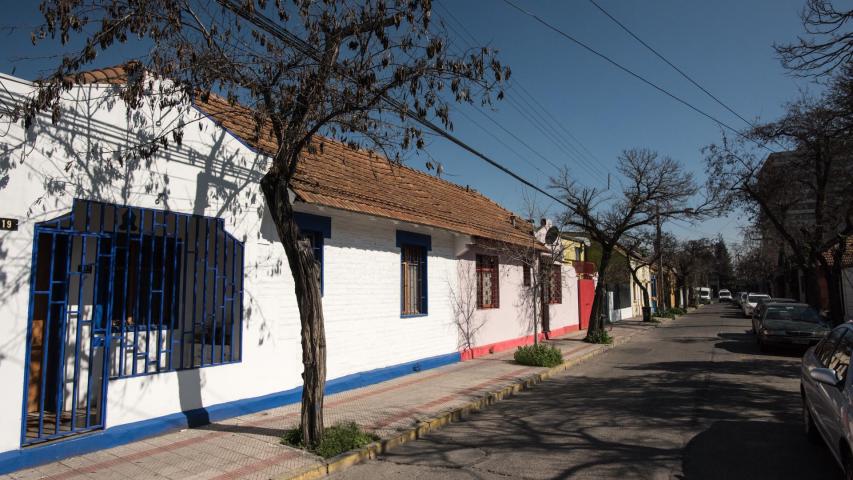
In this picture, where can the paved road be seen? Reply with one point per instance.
(693, 400)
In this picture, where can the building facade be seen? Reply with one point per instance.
(143, 293)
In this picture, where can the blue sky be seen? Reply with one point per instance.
(726, 45)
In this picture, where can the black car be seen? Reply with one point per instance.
(789, 324)
(759, 308)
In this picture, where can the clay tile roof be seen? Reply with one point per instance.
(112, 75)
(364, 182)
(847, 256)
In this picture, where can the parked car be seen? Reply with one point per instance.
(762, 302)
(724, 295)
(750, 301)
(826, 393)
(789, 324)
(739, 298)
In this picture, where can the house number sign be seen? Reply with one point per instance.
(10, 224)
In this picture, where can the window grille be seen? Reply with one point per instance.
(488, 283)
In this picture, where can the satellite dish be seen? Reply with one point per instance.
(552, 235)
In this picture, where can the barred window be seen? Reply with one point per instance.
(488, 285)
(553, 287)
(413, 280)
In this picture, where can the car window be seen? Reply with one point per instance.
(797, 313)
(756, 298)
(840, 359)
(824, 349)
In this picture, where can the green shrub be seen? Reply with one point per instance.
(337, 439)
(599, 336)
(540, 355)
(670, 312)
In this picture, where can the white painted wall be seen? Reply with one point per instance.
(215, 175)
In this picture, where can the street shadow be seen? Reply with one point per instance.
(632, 424)
(744, 343)
(753, 450)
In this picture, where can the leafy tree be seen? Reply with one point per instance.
(359, 72)
(651, 187)
(723, 269)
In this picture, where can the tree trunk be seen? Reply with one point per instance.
(596, 322)
(306, 280)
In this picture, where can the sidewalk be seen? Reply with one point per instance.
(248, 446)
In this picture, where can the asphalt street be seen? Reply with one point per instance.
(694, 399)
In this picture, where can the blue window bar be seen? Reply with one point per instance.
(120, 291)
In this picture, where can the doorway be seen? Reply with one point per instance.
(66, 357)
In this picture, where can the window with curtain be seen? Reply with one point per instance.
(488, 291)
(553, 283)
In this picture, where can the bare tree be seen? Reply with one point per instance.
(536, 259)
(829, 42)
(652, 186)
(642, 250)
(693, 264)
(463, 303)
(361, 73)
(801, 197)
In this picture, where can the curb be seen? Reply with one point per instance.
(348, 459)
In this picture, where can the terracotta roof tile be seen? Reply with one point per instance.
(364, 182)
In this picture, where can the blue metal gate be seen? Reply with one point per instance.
(117, 292)
(67, 336)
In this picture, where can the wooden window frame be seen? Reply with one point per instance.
(488, 265)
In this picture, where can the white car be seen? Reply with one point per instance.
(750, 301)
(725, 295)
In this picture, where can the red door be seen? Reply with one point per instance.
(586, 294)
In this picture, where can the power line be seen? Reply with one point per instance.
(635, 75)
(660, 56)
(303, 47)
(529, 112)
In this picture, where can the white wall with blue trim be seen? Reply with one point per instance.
(215, 175)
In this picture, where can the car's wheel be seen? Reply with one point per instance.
(808, 424)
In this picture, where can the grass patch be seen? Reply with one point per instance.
(337, 439)
(541, 355)
(599, 336)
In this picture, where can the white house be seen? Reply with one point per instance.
(145, 294)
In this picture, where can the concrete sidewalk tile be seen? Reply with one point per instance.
(398, 410)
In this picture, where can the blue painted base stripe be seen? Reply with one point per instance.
(122, 434)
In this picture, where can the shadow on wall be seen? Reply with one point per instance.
(87, 156)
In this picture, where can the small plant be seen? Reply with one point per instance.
(670, 312)
(599, 336)
(337, 439)
(541, 355)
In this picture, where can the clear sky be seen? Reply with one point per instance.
(594, 110)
